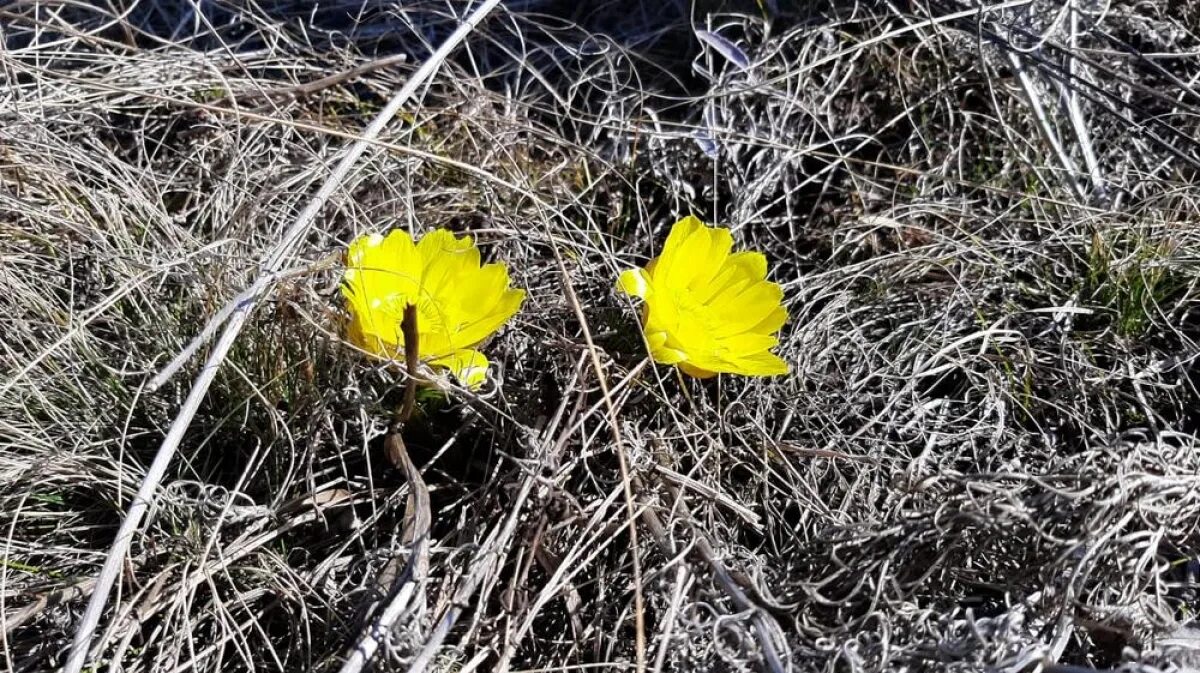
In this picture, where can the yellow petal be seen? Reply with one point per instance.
(655, 339)
(680, 232)
(739, 271)
(771, 323)
(442, 241)
(668, 356)
(376, 337)
(687, 238)
(736, 312)
(469, 367)
(446, 260)
(473, 333)
(720, 244)
(462, 302)
(687, 261)
(378, 284)
(482, 288)
(749, 263)
(359, 248)
(761, 364)
(694, 371)
(634, 282)
(745, 344)
(476, 296)
(379, 266)
(693, 335)
(661, 312)
(650, 267)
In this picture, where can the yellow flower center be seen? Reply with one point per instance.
(431, 319)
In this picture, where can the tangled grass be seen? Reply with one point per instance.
(983, 218)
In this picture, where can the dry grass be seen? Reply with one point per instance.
(985, 223)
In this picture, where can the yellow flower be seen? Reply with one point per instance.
(459, 302)
(707, 310)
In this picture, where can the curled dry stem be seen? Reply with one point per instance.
(401, 581)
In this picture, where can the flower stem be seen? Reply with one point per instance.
(397, 453)
(412, 358)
